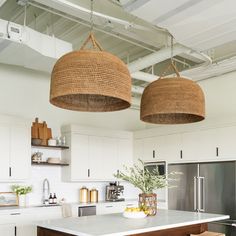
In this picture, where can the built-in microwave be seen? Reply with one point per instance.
(159, 165)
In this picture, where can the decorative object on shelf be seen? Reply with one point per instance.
(173, 100)
(21, 192)
(8, 199)
(37, 157)
(54, 160)
(90, 80)
(52, 142)
(147, 181)
(40, 133)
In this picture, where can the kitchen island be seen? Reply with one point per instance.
(166, 222)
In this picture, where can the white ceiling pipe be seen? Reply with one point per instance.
(156, 57)
(139, 75)
(2, 2)
(137, 89)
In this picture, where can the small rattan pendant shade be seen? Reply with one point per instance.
(174, 100)
(90, 80)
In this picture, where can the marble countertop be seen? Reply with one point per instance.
(117, 225)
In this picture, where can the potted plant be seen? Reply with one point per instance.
(147, 181)
(21, 192)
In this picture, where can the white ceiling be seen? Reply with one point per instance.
(201, 25)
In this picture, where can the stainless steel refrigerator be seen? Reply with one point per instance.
(206, 187)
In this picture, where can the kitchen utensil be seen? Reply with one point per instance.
(35, 128)
(93, 195)
(43, 133)
(83, 195)
(49, 133)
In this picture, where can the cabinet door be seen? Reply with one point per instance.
(102, 157)
(226, 142)
(149, 149)
(109, 158)
(125, 153)
(7, 230)
(138, 150)
(20, 159)
(200, 145)
(96, 163)
(168, 147)
(26, 230)
(79, 157)
(4, 152)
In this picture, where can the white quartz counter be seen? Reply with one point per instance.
(117, 225)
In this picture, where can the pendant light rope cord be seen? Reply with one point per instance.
(91, 37)
(171, 65)
(91, 17)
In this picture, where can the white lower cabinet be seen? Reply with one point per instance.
(7, 229)
(114, 207)
(22, 222)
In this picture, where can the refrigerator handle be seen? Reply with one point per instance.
(202, 194)
(195, 193)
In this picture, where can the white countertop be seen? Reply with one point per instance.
(117, 225)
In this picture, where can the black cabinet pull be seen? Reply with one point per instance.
(118, 172)
(181, 154)
(153, 154)
(10, 171)
(15, 231)
(88, 172)
(217, 151)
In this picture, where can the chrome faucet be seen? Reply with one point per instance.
(46, 190)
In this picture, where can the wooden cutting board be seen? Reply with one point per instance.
(43, 134)
(35, 128)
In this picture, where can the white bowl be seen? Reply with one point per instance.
(54, 160)
(134, 215)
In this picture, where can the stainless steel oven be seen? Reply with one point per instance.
(159, 165)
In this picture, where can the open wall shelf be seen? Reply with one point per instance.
(49, 147)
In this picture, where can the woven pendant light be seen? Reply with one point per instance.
(90, 80)
(174, 100)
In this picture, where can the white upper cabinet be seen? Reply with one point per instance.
(149, 149)
(200, 145)
(169, 147)
(15, 152)
(125, 153)
(79, 150)
(138, 150)
(226, 142)
(95, 154)
(4, 152)
(20, 152)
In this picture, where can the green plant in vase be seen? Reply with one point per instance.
(147, 181)
(21, 192)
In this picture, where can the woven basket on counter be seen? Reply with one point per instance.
(90, 80)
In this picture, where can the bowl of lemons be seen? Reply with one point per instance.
(134, 213)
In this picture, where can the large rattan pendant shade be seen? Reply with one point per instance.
(90, 80)
(174, 100)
